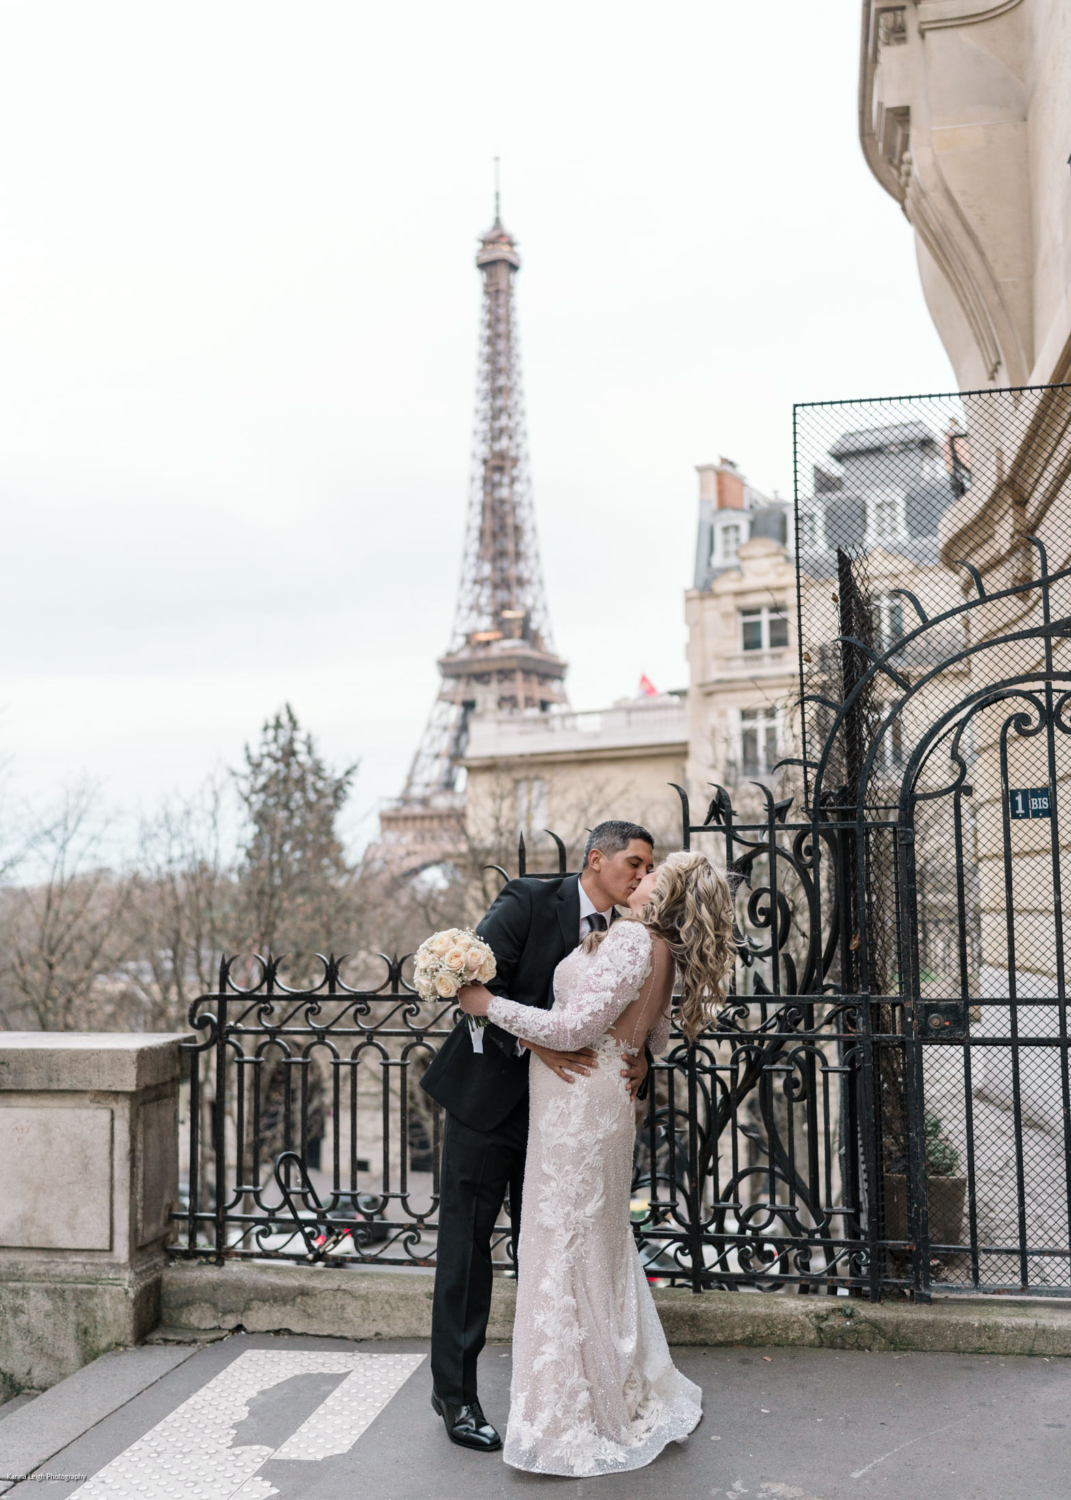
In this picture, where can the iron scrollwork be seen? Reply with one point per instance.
(792, 1146)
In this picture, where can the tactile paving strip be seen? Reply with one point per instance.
(190, 1454)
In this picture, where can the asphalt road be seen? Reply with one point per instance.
(258, 1416)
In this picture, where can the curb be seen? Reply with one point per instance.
(199, 1299)
(40, 1429)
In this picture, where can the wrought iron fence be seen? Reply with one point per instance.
(310, 1139)
(774, 1153)
(884, 1104)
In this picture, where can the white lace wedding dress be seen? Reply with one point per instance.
(594, 1390)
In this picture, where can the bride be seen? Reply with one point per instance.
(594, 1390)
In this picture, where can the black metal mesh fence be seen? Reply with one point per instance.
(933, 541)
(896, 500)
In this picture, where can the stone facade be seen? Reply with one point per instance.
(964, 117)
(569, 771)
(742, 663)
(741, 618)
(963, 109)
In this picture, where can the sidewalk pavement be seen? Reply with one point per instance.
(253, 1416)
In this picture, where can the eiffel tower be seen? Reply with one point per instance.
(501, 659)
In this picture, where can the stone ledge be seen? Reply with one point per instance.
(310, 1299)
(197, 1299)
(88, 1061)
(968, 1325)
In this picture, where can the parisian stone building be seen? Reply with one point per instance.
(741, 618)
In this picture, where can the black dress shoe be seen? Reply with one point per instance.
(467, 1425)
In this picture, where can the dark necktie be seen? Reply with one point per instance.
(596, 922)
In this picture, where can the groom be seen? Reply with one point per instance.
(481, 1080)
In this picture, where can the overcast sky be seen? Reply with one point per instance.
(238, 316)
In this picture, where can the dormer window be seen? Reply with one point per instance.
(886, 520)
(726, 541)
(810, 531)
(764, 628)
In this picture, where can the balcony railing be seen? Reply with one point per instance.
(779, 662)
(625, 725)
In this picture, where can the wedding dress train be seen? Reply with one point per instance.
(594, 1390)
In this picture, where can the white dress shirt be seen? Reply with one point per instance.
(587, 909)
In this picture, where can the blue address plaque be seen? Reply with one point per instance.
(1030, 802)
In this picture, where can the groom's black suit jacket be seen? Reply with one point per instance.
(530, 928)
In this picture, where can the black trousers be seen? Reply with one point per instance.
(478, 1166)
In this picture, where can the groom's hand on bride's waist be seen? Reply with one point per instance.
(565, 1064)
(635, 1070)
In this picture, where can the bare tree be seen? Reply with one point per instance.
(62, 938)
(182, 913)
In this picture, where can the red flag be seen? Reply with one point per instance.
(647, 686)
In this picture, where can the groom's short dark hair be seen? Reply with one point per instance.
(613, 836)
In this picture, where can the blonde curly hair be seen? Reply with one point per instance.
(691, 909)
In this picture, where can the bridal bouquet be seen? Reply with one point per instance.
(447, 960)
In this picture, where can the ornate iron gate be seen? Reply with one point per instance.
(934, 720)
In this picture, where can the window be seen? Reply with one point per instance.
(725, 544)
(891, 751)
(764, 628)
(888, 619)
(885, 519)
(933, 469)
(759, 740)
(958, 459)
(810, 532)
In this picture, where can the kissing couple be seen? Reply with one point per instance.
(538, 1098)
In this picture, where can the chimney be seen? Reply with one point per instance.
(730, 485)
(722, 484)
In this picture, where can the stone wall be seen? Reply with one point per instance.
(88, 1179)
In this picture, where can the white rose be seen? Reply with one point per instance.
(439, 945)
(487, 969)
(446, 985)
(455, 959)
(473, 960)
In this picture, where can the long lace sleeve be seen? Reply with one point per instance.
(610, 982)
